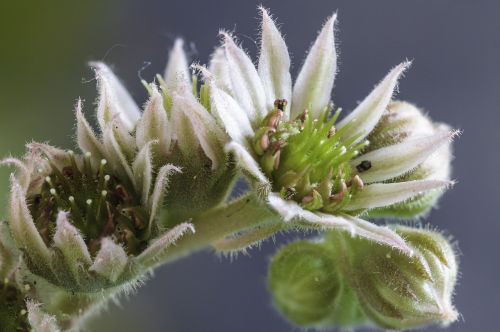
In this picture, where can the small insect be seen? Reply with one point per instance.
(280, 104)
(364, 166)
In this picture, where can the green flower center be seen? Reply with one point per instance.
(100, 205)
(307, 159)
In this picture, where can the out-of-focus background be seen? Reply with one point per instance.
(455, 45)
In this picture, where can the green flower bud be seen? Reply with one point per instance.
(397, 291)
(403, 122)
(308, 289)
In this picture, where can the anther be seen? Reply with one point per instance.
(337, 197)
(280, 104)
(307, 199)
(356, 180)
(364, 166)
(331, 132)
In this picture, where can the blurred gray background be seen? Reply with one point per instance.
(455, 45)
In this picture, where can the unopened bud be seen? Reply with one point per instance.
(402, 292)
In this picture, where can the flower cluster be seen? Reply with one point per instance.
(88, 225)
(347, 282)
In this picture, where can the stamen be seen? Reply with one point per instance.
(87, 166)
(88, 213)
(100, 206)
(76, 214)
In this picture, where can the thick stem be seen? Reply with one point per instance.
(241, 214)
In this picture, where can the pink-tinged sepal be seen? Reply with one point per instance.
(110, 261)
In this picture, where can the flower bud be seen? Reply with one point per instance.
(403, 122)
(397, 291)
(308, 289)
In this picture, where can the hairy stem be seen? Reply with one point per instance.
(241, 214)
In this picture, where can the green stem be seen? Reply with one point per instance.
(241, 214)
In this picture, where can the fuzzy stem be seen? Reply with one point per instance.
(241, 214)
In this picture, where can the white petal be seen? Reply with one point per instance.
(114, 99)
(367, 114)
(384, 194)
(110, 261)
(87, 140)
(69, 240)
(246, 84)
(291, 211)
(143, 172)
(159, 191)
(274, 63)
(177, 71)
(314, 84)
(379, 234)
(23, 228)
(398, 159)
(159, 247)
(246, 161)
(219, 67)
(115, 155)
(228, 113)
(39, 320)
(202, 127)
(153, 125)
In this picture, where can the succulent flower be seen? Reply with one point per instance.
(90, 221)
(397, 291)
(305, 163)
